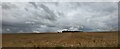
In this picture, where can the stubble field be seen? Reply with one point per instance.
(69, 39)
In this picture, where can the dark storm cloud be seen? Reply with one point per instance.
(54, 16)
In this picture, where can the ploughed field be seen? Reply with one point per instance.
(68, 39)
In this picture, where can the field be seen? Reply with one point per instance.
(75, 39)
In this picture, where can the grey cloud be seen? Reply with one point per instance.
(53, 16)
(0, 18)
(34, 4)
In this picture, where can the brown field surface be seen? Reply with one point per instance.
(75, 39)
(0, 40)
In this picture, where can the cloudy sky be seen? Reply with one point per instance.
(59, 0)
(53, 16)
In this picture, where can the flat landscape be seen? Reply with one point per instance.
(67, 39)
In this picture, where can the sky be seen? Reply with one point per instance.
(59, 0)
(26, 17)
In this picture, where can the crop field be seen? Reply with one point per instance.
(67, 39)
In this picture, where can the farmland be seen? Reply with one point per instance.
(74, 39)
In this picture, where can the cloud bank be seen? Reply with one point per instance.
(54, 16)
